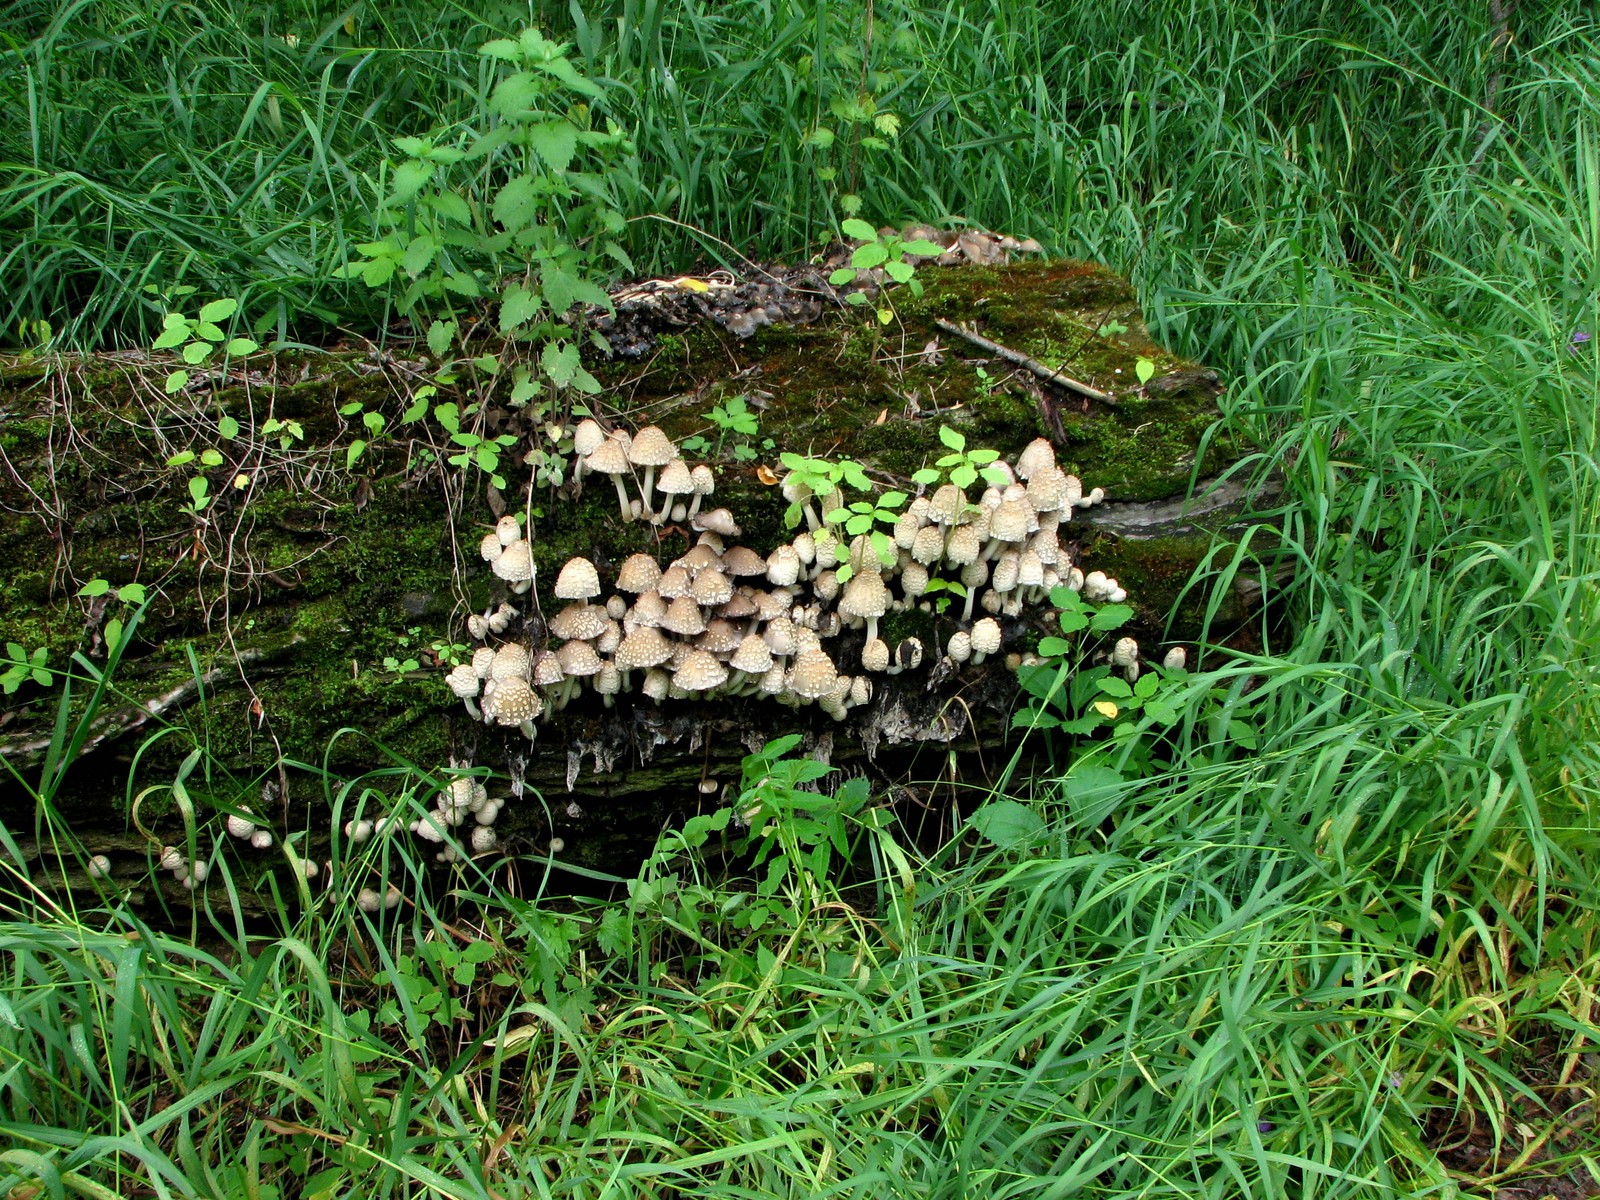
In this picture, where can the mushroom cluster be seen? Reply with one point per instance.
(725, 620)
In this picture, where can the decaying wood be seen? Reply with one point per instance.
(1018, 359)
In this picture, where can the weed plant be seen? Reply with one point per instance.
(1266, 974)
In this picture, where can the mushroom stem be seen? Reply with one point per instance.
(966, 610)
(622, 498)
(529, 730)
(872, 629)
(472, 708)
(649, 488)
(694, 506)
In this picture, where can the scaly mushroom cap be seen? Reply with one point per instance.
(515, 564)
(865, 596)
(578, 659)
(579, 622)
(875, 655)
(927, 547)
(644, 647)
(1125, 653)
(718, 521)
(651, 448)
(774, 681)
(914, 580)
(964, 545)
(720, 638)
(616, 607)
(1175, 659)
(587, 437)
(1009, 522)
(960, 646)
(780, 636)
(813, 675)
(1030, 570)
(647, 610)
(907, 528)
(860, 690)
(578, 580)
(742, 562)
(826, 586)
(828, 549)
(516, 702)
(1036, 455)
(985, 638)
(1007, 568)
(675, 478)
(684, 617)
(639, 573)
(610, 457)
(511, 661)
(947, 506)
(609, 639)
(482, 662)
(705, 483)
(711, 588)
(674, 582)
(698, 557)
(463, 681)
(1047, 490)
(609, 681)
(490, 547)
(508, 530)
(741, 606)
(547, 670)
(700, 672)
(783, 566)
(656, 684)
(1047, 546)
(753, 656)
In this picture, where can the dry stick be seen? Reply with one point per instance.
(1018, 359)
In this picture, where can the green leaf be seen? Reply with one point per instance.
(516, 94)
(353, 452)
(208, 332)
(1145, 370)
(555, 142)
(821, 137)
(560, 288)
(1113, 686)
(871, 255)
(517, 204)
(1053, 647)
(842, 276)
(181, 458)
(173, 335)
(95, 587)
(922, 248)
(419, 254)
(926, 477)
(518, 306)
(1007, 823)
(964, 476)
(950, 437)
(503, 49)
(219, 310)
(240, 346)
(560, 362)
(567, 74)
(131, 593)
(373, 421)
(199, 486)
(196, 353)
(440, 335)
(451, 206)
(900, 272)
(859, 230)
(211, 457)
(1112, 616)
(1074, 622)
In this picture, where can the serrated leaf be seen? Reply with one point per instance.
(516, 204)
(239, 347)
(518, 306)
(419, 254)
(821, 137)
(1112, 616)
(440, 335)
(859, 230)
(1007, 823)
(504, 49)
(560, 362)
(219, 310)
(452, 206)
(567, 74)
(560, 288)
(555, 142)
(516, 94)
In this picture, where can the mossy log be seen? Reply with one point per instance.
(299, 615)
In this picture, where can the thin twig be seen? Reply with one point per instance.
(1018, 359)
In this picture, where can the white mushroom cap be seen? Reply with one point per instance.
(651, 448)
(580, 622)
(243, 827)
(964, 546)
(705, 483)
(511, 661)
(720, 638)
(928, 545)
(516, 702)
(656, 683)
(638, 573)
(490, 547)
(578, 580)
(875, 655)
(463, 681)
(578, 659)
(959, 647)
(515, 564)
(743, 562)
(648, 610)
(261, 839)
(483, 839)
(783, 566)
(717, 520)
(1036, 455)
(674, 582)
(860, 690)
(587, 437)
(753, 656)
(914, 580)
(826, 586)
(780, 636)
(948, 505)
(547, 670)
(711, 588)
(508, 530)
(675, 478)
(99, 867)
(609, 681)
(1125, 653)
(643, 647)
(1175, 659)
(616, 607)
(684, 617)
(985, 638)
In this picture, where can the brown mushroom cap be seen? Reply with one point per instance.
(651, 448)
(698, 557)
(675, 478)
(579, 622)
(699, 672)
(638, 573)
(742, 605)
(711, 588)
(578, 580)
(644, 647)
(813, 675)
(547, 670)
(865, 596)
(683, 617)
(741, 561)
(647, 610)
(511, 661)
(717, 520)
(753, 656)
(674, 582)
(719, 638)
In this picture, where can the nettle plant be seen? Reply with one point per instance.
(886, 250)
(531, 230)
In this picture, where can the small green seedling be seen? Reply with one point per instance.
(199, 337)
(129, 593)
(21, 665)
(865, 517)
(886, 250)
(962, 466)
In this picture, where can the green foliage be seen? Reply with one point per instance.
(962, 467)
(21, 666)
(197, 338)
(887, 252)
(735, 419)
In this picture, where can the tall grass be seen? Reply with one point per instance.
(1251, 976)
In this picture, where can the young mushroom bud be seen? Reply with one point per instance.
(99, 867)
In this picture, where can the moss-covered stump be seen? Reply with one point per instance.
(302, 593)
